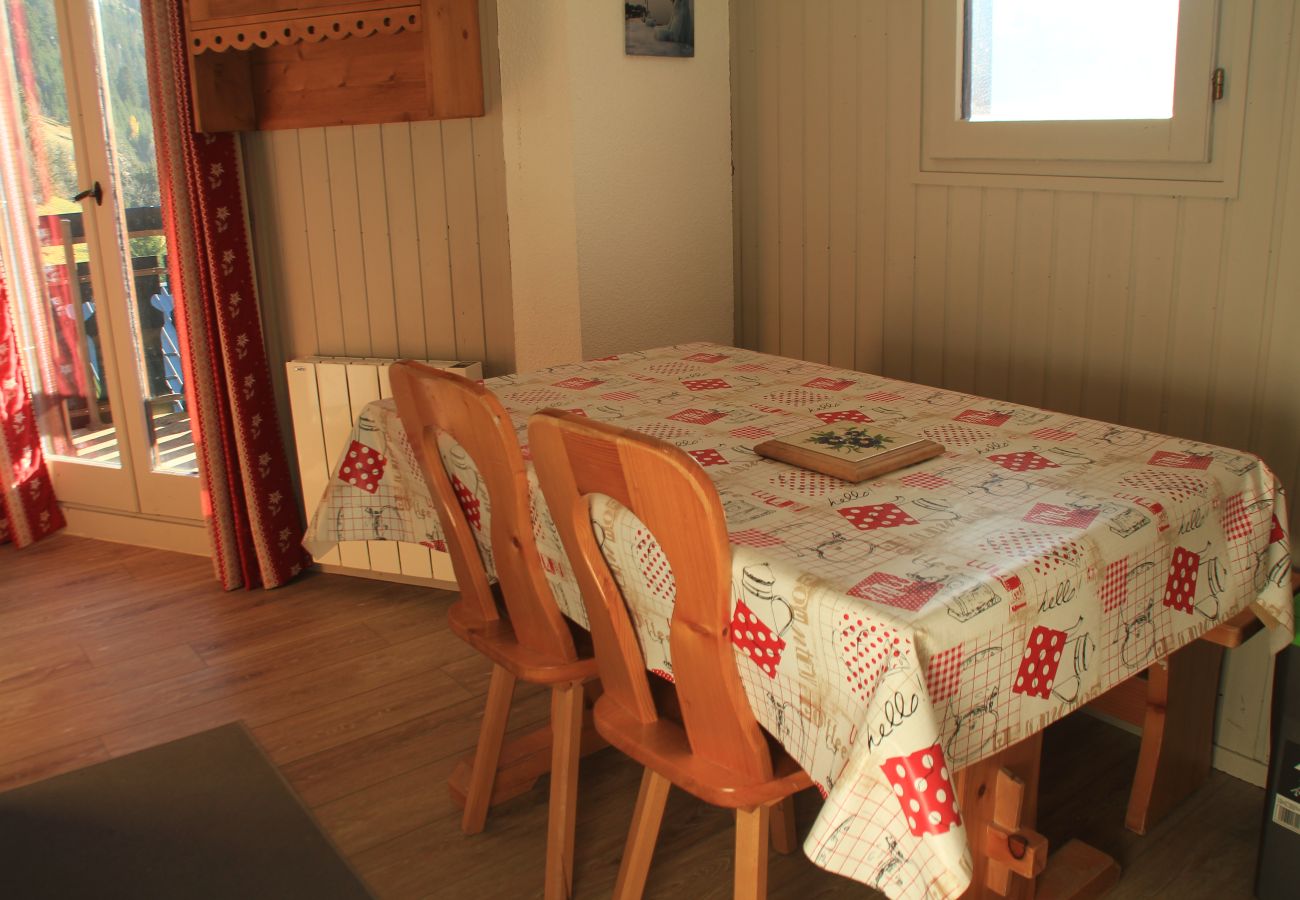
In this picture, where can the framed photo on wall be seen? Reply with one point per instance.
(659, 27)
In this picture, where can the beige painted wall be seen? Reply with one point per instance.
(652, 175)
(1175, 314)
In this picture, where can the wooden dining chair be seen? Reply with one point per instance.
(717, 752)
(514, 623)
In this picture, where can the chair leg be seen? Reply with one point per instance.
(752, 826)
(566, 739)
(642, 836)
(785, 839)
(491, 735)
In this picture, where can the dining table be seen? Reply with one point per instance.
(892, 633)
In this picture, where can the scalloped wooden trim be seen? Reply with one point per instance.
(305, 29)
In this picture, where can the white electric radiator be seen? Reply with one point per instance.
(326, 394)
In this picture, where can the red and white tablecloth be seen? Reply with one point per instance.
(890, 633)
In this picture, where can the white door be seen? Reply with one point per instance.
(86, 256)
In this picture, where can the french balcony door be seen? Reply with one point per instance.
(85, 256)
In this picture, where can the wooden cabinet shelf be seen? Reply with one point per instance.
(267, 64)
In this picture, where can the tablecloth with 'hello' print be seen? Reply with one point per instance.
(891, 632)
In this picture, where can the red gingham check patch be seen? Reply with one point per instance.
(982, 417)
(752, 432)
(440, 546)
(1236, 521)
(1039, 663)
(1063, 516)
(708, 457)
(1180, 460)
(363, 467)
(578, 383)
(844, 415)
(924, 480)
(1278, 533)
(944, 674)
(1114, 587)
(1027, 461)
(618, 395)
(697, 416)
(750, 367)
(894, 590)
(705, 384)
(829, 384)
(706, 357)
(1053, 434)
(882, 396)
(877, 515)
(752, 537)
(924, 790)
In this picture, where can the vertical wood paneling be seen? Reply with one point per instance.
(345, 210)
(931, 284)
(1155, 233)
(433, 235)
(376, 243)
(321, 254)
(404, 240)
(1108, 305)
(767, 209)
(997, 293)
(895, 108)
(748, 150)
(961, 321)
(1067, 315)
(872, 72)
(1031, 295)
(790, 147)
(842, 182)
(816, 180)
(462, 233)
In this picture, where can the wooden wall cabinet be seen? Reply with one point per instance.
(267, 64)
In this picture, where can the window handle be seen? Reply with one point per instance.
(97, 192)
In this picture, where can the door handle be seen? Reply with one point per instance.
(97, 192)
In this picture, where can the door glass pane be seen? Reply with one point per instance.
(57, 310)
(130, 128)
(1053, 60)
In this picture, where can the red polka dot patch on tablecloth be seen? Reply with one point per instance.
(673, 367)
(705, 384)
(943, 674)
(954, 435)
(1177, 486)
(697, 416)
(868, 649)
(829, 384)
(1025, 461)
(363, 467)
(708, 457)
(795, 397)
(844, 415)
(877, 515)
(923, 786)
(1180, 587)
(469, 504)
(925, 481)
(1173, 460)
(1040, 661)
(983, 417)
(895, 590)
(801, 481)
(578, 383)
(1062, 516)
(751, 634)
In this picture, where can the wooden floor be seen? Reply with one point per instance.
(362, 697)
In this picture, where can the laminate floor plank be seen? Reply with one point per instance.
(364, 698)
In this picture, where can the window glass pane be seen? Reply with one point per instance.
(1046, 60)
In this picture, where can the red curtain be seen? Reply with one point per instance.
(249, 505)
(28, 510)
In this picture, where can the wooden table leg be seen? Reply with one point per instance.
(999, 806)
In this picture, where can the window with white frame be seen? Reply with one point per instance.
(1121, 89)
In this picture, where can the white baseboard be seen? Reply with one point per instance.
(1249, 770)
(179, 535)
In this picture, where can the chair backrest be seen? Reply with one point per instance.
(431, 403)
(576, 459)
